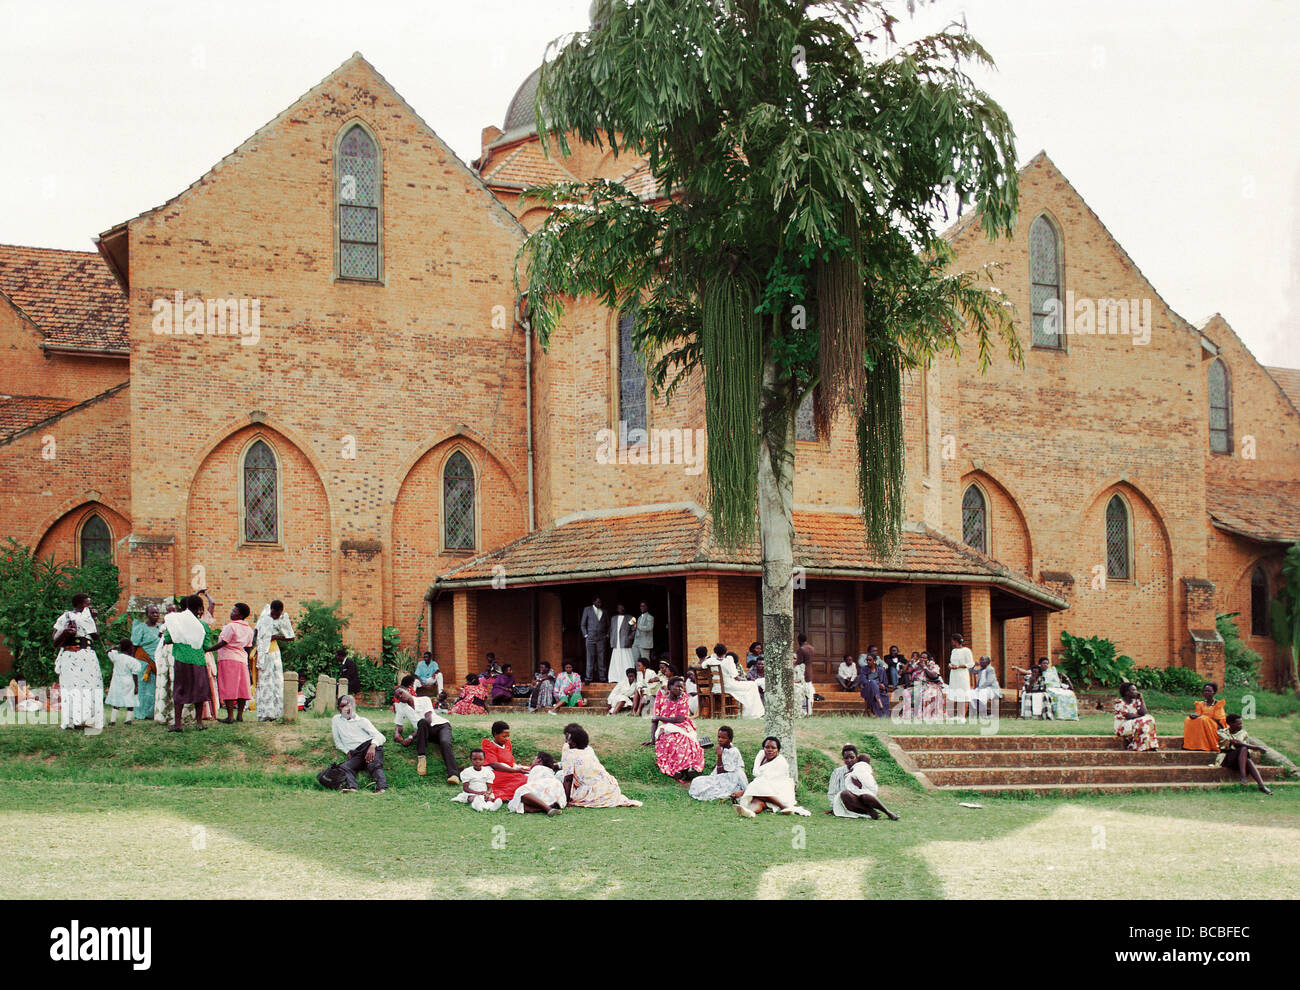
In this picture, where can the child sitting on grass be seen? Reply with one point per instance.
(476, 784)
(124, 688)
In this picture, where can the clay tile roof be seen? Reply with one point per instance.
(524, 166)
(71, 296)
(1267, 511)
(18, 412)
(641, 182)
(1288, 380)
(679, 538)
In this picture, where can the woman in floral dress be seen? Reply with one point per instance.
(1132, 723)
(568, 689)
(587, 784)
(672, 733)
(929, 687)
(473, 697)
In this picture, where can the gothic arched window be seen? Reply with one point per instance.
(1119, 560)
(1220, 408)
(1045, 284)
(458, 503)
(261, 494)
(358, 178)
(975, 519)
(96, 539)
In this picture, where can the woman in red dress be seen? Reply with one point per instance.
(500, 756)
(672, 734)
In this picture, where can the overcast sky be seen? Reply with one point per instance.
(1175, 119)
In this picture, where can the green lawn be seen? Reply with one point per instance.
(236, 812)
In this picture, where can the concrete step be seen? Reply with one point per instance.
(1066, 776)
(971, 743)
(1075, 790)
(975, 759)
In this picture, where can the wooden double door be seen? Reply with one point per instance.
(825, 613)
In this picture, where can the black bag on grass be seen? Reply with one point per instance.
(332, 777)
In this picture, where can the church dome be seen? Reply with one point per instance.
(519, 115)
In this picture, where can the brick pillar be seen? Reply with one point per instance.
(1202, 649)
(976, 621)
(1041, 636)
(152, 570)
(903, 619)
(361, 587)
(550, 631)
(702, 615)
(871, 626)
(464, 632)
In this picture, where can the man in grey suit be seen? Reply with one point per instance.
(595, 631)
(645, 632)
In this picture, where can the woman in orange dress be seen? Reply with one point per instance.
(1201, 730)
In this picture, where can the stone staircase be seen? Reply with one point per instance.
(1056, 765)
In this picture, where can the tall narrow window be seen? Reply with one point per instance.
(458, 503)
(1220, 408)
(1259, 603)
(358, 176)
(1118, 549)
(975, 519)
(261, 495)
(96, 539)
(805, 420)
(631, 376)
(1045, 284)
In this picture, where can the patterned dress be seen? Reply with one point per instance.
(1064, 705)
(1138, 732)
(164, 708)
(81, 681)
(270, 667)
(568, 689)
(593, 785)
(677, 748)
(469, 693)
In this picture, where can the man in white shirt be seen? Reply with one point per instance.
(362, 743)
(425, 724)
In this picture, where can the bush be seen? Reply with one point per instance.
(318, 638)
(1092, 661)
(1241, 663)
(1147, 678)
(392, 639)
(1181, 680)
(375, 676)
(34, 592)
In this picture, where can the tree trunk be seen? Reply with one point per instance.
(776, 533)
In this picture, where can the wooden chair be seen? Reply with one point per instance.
(725, 705)
(704, 691)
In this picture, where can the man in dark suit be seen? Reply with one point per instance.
(595, 631)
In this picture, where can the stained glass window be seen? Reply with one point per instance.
(1045, 283)
(458, 503)
(96, 539)
(358, 180)
(975, 519)
(1117, 539)
(631, 376)
(261, 499)
(1220, 408)
(1259, 603)
(805, 420)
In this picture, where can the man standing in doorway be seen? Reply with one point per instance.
(595, 631)
(645, 633)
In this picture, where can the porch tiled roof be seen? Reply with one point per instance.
(18, 412)
(1267, 511)
(71, 296)
(677, 539)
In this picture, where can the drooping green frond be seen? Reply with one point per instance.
(731, 338)
(881, 453)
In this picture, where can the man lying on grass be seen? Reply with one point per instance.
(417, 712)
(363, 745)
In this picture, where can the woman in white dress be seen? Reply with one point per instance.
(621, 658)
(542, 792)
(959, 667)
(624, 694)
(728, 779)
(858, 798)
(771, 786)
(744, 691)
(81, 682)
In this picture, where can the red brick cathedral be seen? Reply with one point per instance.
(307, 376)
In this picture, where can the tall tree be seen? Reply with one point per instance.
(806, 156)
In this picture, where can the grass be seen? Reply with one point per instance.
(236, 812)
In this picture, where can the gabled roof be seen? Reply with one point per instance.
(524, 166)
(1264, 511)
(678, 538)
(70, 296)
(1039, 160)
(20, 414)
(111, 250)
(1288, 380)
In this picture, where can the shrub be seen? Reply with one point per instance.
(318, 637)
(34, 592)
(1093, 661)
(392, 639)
(1241, 663)
(1147, 678)
(375, 676)
(1181, 680)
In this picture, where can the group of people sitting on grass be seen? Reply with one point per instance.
(494, 779)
